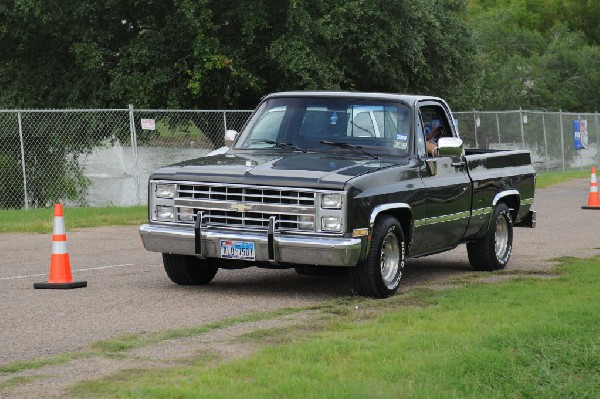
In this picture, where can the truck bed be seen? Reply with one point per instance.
(501, 171)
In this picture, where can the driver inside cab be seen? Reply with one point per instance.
(431, 139)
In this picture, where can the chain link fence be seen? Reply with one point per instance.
(99, 157)
(104, 157)
(549, 136)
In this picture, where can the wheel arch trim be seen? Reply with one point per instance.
(508, 194)
(407, 225)
(387, 207)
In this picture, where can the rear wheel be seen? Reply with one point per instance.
(379, 275)
(189, 270)
(492, 251)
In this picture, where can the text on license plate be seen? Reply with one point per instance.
(237, 250)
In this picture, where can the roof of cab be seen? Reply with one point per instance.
(407, 98)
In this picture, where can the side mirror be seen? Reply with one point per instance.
(449, 147)
(230, 136)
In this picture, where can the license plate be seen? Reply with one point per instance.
(243, 250)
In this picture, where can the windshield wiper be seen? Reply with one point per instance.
(279, 144)
(348, 146)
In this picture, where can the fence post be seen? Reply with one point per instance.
(475, 129)
(522, 129)
(498, 129)
(136, 168)
(545, 139)
(562, 138)
(26, 199)
(225, 121)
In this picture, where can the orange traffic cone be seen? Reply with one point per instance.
(593, 200)
(60, 267)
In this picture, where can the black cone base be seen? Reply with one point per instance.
(591, 207)
(60, 286)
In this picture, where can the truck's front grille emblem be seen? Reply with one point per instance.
(240, 207)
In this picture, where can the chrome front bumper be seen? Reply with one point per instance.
(304, 250)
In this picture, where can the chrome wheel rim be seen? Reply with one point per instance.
(390, 259)
(501, 236)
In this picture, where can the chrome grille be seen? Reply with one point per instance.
(246, 194)
(246, 206)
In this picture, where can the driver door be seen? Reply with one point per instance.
(447, 185)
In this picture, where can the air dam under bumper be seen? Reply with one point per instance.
(305, 250)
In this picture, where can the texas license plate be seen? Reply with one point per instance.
(243, 250)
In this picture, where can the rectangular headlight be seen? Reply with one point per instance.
(165, 190)
(331, 201)
(164, 213)
(329, 223)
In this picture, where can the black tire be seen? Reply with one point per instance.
(189, 270)
(492, 251)
(379, 275)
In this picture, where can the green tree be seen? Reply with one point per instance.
(377, 45)
(100, 54)
(214, 54)
(537, 54)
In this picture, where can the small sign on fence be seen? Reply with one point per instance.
(148, 124)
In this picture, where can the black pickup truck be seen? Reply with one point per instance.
(353, 181)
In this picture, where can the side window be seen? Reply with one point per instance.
(433, 118)
(434, 125)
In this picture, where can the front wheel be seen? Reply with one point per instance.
(189, 270)
(379, 275)
(492, 251)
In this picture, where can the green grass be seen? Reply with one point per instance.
(547, 179)
(40, 220)
(17, 367)
(16, 381)
(528, 337)
(181, 131)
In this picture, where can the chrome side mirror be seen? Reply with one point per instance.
(230, 136)
(449, 147)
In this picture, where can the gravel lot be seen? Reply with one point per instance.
(129, 292)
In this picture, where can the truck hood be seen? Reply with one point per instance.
(310, 170)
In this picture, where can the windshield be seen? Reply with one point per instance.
(313, 124)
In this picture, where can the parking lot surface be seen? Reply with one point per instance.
(129, 292)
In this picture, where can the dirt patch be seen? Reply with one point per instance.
(500, 278)
(219, 345)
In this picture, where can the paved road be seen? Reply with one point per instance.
(128, 291)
